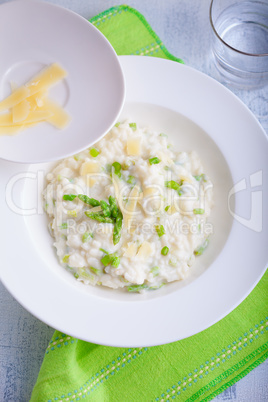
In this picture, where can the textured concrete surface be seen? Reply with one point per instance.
(183, 26)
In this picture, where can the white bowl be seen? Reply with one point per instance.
(198, 114)
(40, 34)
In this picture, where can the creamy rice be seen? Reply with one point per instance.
(164, 197)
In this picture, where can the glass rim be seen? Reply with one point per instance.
(225, 43)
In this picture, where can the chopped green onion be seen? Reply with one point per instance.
(117, 124)
(126, 165)
(201, 249)
(77, 157)
(156, 287)
(108, 167)
(76, 275)
(117, 168)
(86, 237)
(115, 262)
(131, 180)
(160, 230)
(165, 250)
(82, 272)
(174, 186)
(104, 251)
(106, 260)
(155, 271)
(163, 135)
(201, 177)
(167, 208)
(133, 126)
(95, 270)
(198, 178)
(65, 258)
(89, 201)
(94, 152)
(173, 262)
(111, 259)
(72, 213)
(154, 161)
(137, 288)
(64, 225)
(199, 211)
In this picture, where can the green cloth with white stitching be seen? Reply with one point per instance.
(194, 369)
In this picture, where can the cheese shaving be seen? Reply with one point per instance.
(29, 103)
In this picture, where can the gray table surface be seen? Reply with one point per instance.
(183, 26)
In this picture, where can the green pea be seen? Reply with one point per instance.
(94, 152)
(154, 161)
(165, 250)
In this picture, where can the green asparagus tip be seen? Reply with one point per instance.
(69, 197)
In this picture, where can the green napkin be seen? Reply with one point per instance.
(129, 33)
(194, 369)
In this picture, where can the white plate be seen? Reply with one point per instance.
(199, 114)
(38, 34)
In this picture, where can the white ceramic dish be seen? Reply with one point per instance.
(39, 34)
(197, 113)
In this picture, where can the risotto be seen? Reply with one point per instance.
(130, 212)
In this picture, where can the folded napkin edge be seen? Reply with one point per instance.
(124, 7)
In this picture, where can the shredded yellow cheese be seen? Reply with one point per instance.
(37, 100)
(10, 130)
(89, 167)
(117, 188)
(59, 118)
(46, 78)
(145, 250)
(131, 250)
(29, 104)
(33, 117)
(16, 97)
(134, 146)
(91, 181)
(148, 191)
(20, 111)
(130, 207)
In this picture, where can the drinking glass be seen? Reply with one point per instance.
(240, 41)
